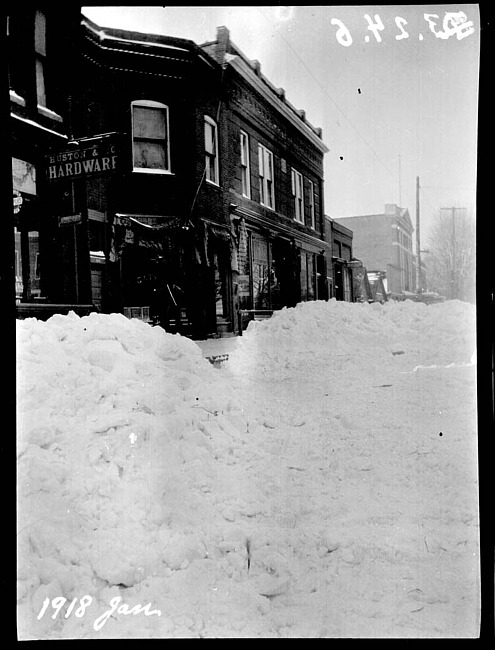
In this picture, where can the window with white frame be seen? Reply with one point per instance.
(17, 263)
(297, 193)
(40, 54)
(265, 163)
(245, 176)
(150, 137)
(311, 206)
(211, 150)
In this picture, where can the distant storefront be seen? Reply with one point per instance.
(27, 253)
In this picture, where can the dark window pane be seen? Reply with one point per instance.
(149, 155)
(149, 123)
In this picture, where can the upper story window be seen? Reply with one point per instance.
(346, 253)
(211, 150)
(311, 201)
(40, 54)
(245, 177)
(297, 193)
(16, 44)
(265, 163)
(150, 137)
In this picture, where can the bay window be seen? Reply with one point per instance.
(211, 150)
(150, 137)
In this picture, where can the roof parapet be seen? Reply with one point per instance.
(256, 65)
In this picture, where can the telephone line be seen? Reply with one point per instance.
(330, 98)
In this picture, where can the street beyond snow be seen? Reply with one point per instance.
(322, 482)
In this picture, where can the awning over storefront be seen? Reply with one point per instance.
(221, 232)
(147, 221)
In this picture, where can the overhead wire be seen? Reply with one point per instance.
(323, 89)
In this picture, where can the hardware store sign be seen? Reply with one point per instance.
(87, 159)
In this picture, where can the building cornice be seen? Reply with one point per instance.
(251, 77)
(147, 45)
(279, 228)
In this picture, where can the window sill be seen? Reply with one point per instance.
(159, 172)
(43, 110)
(267, 207)
(17, 99)
(212, 183)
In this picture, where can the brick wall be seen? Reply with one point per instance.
(252, 115)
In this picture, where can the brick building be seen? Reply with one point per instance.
(339, 239)
(42, 53)
(273, 179)
(384, 243)
(159, 233)
(178, 185)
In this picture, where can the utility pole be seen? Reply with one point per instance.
(418, 244)
(400, 188)
(453, 255)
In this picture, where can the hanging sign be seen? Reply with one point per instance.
(88, 157)
(70, 219)
(18, 201)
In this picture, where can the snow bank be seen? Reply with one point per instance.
(359, 335)
(321, 484)
(119, 428)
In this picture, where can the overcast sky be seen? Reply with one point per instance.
(390, 110)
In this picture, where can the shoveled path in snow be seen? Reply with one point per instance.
(367, 500)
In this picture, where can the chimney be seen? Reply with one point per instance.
(391, 208)
(223, 43)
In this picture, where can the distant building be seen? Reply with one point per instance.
(340, 241)
(384, 243)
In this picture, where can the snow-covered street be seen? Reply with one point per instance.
(320, 483)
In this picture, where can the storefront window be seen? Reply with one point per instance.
(261, 279)
(304, 276)
(18, 265)
(308, 276)
(347, 284)
(34, 267)
(220, 289)
(311, 276)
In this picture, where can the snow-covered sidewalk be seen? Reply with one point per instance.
(218, 348)
(320, 483)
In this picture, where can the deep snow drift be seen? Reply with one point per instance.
(322, 483)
